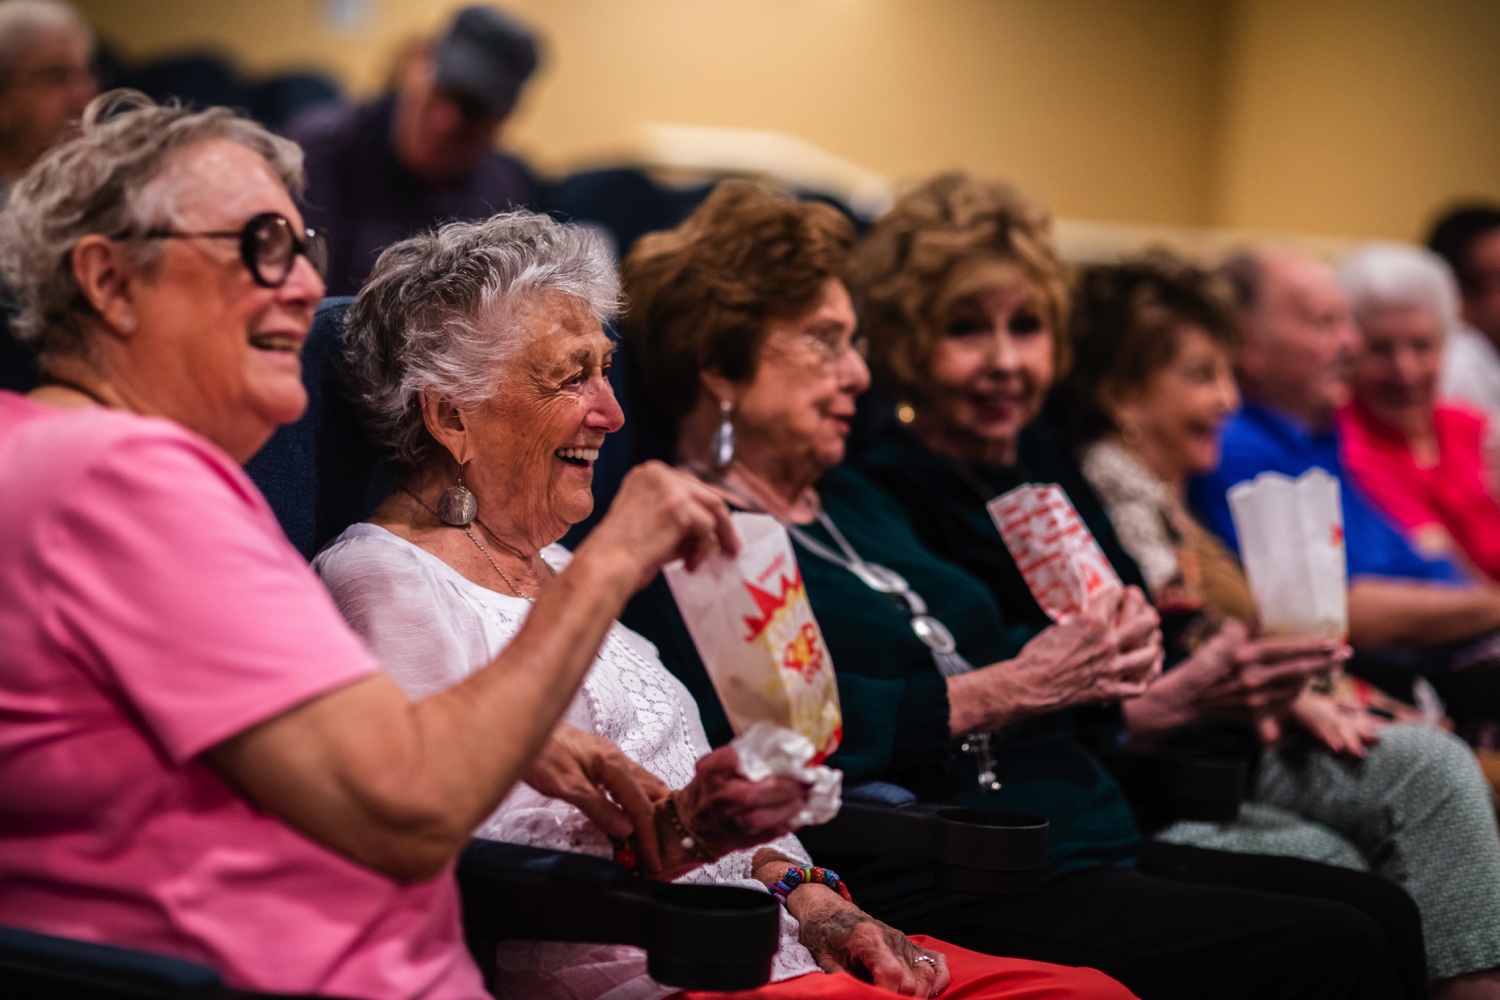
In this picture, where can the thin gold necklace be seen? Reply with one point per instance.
(482, 550)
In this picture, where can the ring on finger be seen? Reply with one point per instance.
(926, 958)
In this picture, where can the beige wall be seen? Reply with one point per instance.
(1358, 116)
(1349, 117)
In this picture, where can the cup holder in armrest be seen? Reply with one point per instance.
(976, 850)
(699, 937)
(696, 937)
(1178, 784)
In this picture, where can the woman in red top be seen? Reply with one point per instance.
(1422, 462)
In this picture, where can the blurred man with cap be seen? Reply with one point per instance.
(382, 171)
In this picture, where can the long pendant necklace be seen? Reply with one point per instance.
(884, 580)
(482, 550)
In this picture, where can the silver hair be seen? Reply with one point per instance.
(23, 22)
(102, 182)
(1385, 274)
(444, 313)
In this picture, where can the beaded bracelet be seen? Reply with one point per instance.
(793, 877)
(689, 843)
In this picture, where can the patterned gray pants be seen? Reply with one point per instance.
(1416, 810)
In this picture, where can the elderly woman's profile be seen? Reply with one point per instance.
(479, 356)
(199, 757)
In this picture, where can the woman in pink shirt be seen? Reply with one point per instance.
(1422, 462)
(199, 758)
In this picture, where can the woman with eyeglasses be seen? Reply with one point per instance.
(745, 339)
(199, 757)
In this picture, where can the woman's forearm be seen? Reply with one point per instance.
(399, 787)
(1426, 614)
(1157, 713)
(986, 699)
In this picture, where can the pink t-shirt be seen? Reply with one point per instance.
(150, 608)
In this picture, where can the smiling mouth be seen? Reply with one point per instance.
(581, 457)
(278, 342)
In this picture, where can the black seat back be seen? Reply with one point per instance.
(321, 474)
(45, 966)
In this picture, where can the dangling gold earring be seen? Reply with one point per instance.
(457, 505)
(1130, 433)
(721, 449)
(905, 412)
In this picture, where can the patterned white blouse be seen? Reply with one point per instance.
(431, 627)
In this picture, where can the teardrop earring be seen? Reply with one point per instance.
(721, 449)
(457, 505)
(1130, 433)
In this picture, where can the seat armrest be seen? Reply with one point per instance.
(44, 965)
(975, 850)
(700, 937)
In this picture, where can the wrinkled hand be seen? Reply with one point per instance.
(1231, 678)
(658, 515)
(1340, 724)
(580, 768)
(726, 811)
(843, 938)
(1108, 652)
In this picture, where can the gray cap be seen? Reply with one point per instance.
(486, 55)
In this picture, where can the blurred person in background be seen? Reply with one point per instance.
(1422, 462)
(424, 154)
(748, 344)
(1294, 369)
(1151, 384)
(1468, 238)
(46, 80)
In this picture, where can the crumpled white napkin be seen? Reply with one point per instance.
(766, 749)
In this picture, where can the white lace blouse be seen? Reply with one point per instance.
(430, 627)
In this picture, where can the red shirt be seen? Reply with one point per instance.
(1453, 493)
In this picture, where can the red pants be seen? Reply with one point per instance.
(972, 977)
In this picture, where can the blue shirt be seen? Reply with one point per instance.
(1259, 440)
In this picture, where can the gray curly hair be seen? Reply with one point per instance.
(101, 182)
(440, 313)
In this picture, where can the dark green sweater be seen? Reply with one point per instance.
(894, 700)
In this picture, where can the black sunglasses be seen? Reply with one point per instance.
(269, 245)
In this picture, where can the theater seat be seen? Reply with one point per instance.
(695, 937)
(44, 966)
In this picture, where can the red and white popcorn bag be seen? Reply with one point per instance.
(751, 621)
(1062, 563)
(1292, 544)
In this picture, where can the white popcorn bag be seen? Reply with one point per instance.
(1057, 554)
(751, 621)
(1292, 545)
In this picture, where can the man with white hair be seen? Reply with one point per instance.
(46, 80)
(1294, 370)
